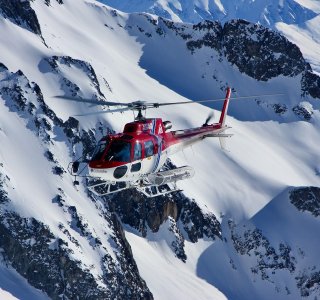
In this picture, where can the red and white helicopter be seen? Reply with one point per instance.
(135, 157)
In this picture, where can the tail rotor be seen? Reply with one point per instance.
(209, 118)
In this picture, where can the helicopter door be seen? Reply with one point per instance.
(149, 157)
(137, 158)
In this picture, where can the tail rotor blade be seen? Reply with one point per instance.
(209, 118)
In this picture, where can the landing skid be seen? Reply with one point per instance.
(153, 185)
(107, 188)
(159, 190)
(104, 188)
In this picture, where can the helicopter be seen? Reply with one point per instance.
(136, 157)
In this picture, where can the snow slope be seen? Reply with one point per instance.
(279, 219)
(268, 152)
(307, 37)
(265, 12)
(298, 20)
(13, 286)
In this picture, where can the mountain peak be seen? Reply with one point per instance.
(265, 12)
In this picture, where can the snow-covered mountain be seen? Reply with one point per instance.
(265, 12)
(250, 215)
(298, 20)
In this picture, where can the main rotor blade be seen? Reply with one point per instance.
(103, 112)
(91, 101)
(213, 100)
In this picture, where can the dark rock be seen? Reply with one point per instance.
(20, 13)
(48, 2)
(58, 170)
(253, 243)
(279, 108)
(306, 199)
(49, 155)
(45, 262)
(309, 283)
(70, 127)
(257, 51)
(197, 223)
(59, 200)
(3, 67)
(71, 88)
(260, 52)
(37, 255)
(310, 84)
(302, 112)
(183, 215)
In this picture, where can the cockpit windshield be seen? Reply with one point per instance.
(98, 151)
(119, 151)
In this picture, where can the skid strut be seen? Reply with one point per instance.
(152, 185)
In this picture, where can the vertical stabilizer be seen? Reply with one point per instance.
(223, 143)
(225, 108)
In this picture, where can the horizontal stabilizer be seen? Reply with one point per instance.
(219, 135)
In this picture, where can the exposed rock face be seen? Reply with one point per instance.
(44, 261)
(256, 51)
(20, 13)
(307, 199)
(266, 260)
(48, 2)
(311, 84)
(303, 112)
(186, 219)
(30, 247)
(309, 283)
(54, 63)
(252, 242)
(260, 52)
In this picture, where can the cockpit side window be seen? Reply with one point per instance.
(98, 151)
(119, 151)
(137, 154)
(148, 148)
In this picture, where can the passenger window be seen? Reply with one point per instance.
(148, 148)
(137, 151)
(136, 167)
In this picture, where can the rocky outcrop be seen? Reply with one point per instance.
(34, 252)
(266, 260)
(53, 64)
(310, 84)
(20, 13)
(259, 52)
(306, 199)
(187, 221)
(255, 50)
(252, 242)
(46, 260)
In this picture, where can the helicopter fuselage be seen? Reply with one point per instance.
(145, 145)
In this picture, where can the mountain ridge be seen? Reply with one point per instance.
(115, 245)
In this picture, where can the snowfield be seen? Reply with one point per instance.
(269, 154)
